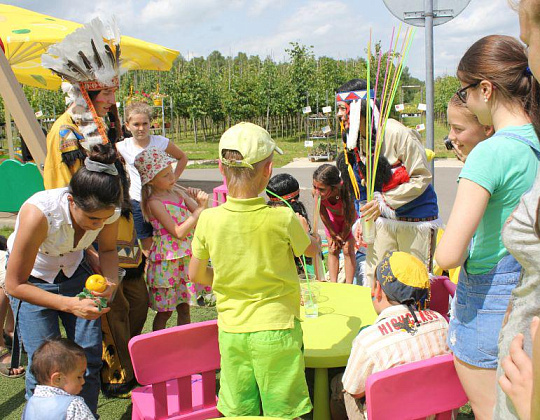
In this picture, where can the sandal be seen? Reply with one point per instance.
(7, 371)
(8, 340)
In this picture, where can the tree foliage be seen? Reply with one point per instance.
(218, 91)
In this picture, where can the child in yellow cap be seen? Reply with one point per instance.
(405, 331)
(253, 275)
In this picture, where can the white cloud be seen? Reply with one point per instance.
(335, 28)
(481, 18)
(258, 7)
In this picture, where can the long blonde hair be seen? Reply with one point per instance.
(146, 193)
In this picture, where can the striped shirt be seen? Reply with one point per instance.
(394, 340)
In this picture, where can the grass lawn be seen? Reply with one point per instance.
(12, 390)
(207, 151)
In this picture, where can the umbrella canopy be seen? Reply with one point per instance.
(25, 35)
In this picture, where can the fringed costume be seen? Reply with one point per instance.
(407, 201)
(88, 60)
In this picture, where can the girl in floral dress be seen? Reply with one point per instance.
(173, 215)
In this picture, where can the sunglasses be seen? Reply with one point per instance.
(462, 93)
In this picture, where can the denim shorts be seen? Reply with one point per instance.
(143, 228)
(478, 310)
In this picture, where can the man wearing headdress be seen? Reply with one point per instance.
(90, 68)
(404, 207)
(88, 61)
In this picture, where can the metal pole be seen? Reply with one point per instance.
(430, 96)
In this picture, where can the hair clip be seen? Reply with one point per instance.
(528, 71)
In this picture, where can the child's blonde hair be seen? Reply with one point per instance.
(241, 178)
(139, 108)
(146, 193)
(459, 104)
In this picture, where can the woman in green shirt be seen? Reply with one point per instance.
(500, 90)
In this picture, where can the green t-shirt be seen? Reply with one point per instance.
(506, 168)
(252, 248)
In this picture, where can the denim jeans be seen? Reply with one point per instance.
(478, 310)
(144, 229)
(37, 323)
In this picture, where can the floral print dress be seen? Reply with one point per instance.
(167, 268)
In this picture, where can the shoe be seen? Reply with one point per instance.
(8, 340)
(7, 371)
(122, 390)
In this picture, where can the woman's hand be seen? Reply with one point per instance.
(86, 308)
(371, 210)
(108, 292)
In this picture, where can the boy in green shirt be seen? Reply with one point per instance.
(252, 247)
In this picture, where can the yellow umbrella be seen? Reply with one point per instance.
(26, 35)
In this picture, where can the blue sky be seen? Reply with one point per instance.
(335, 28)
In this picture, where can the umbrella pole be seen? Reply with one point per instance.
(9, 132)
(23, 115)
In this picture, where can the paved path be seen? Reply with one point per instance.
(446, 172)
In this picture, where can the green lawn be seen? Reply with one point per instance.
(207, 151)
(12, 390)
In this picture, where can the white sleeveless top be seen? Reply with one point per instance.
(57, 252)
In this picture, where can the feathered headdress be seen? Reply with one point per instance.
(88, 59)
(353, 100)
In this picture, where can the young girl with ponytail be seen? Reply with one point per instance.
(338, 215)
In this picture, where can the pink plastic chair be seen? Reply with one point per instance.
(177, 368)
(415, 391)
(442, 289)
(220, 193)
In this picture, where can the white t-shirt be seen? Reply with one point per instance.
(129, 151)
(57, 251)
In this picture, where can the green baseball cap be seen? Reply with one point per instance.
(251, 140)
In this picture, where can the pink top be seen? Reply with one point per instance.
(165, 246)
(336, 216)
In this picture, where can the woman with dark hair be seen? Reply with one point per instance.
(499, 89)
(91, 100)
(47, 269)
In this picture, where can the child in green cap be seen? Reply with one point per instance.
(253, 275)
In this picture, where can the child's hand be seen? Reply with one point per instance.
(192, 192)
(202, 199)
(334, 244)
(303, 222)
(358, 234)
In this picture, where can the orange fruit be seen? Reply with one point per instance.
(96, 283)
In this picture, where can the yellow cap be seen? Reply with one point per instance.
(251, 140)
